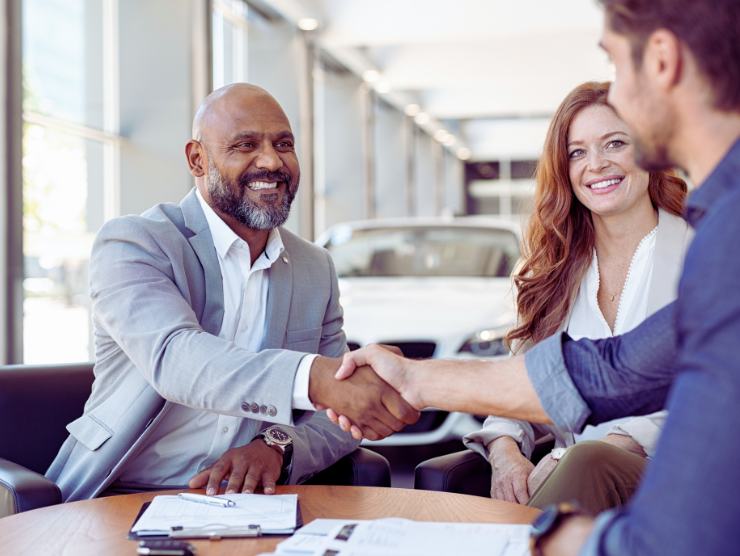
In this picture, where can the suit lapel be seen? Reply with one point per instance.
(279, 295)
(202, 243)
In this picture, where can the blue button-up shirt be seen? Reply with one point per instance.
(685, 357)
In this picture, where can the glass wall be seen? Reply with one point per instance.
(229, 29)
(69, 141)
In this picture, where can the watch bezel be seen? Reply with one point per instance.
(272, 436)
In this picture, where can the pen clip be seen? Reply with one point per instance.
(205, 499)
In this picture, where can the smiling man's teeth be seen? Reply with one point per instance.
(258, 185)
(605, 183)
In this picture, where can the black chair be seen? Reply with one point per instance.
(464, 472)
(37, 402)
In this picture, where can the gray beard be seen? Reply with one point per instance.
(226, 200)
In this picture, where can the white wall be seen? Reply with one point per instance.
(156, 100)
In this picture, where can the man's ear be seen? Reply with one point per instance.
(663, 59)
(197, 162)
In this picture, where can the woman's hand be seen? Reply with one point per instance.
(510, 471)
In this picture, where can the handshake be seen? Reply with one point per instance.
(369, 392)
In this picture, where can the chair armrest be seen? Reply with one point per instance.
(22, 489)
(464, 472)
(362, 467)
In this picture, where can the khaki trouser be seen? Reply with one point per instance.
(595, 474)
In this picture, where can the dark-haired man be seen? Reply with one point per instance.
(207, 315)
(678, 86)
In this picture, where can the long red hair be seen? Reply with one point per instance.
(559, 240)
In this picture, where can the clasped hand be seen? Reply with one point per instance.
(373, 398)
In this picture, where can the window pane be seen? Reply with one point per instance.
(424, 252)
(229, 30)
(62, 209)
(63, 59)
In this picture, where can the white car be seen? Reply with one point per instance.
(433, 287)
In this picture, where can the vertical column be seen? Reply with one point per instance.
(439, 178)
(339, 148)
(454, 191)
(368, 144)
(410, 135)
(11, 215)
(306, 194)
(505, 204)
(424, 169)
(391, 155)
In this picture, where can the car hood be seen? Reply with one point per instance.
(377, 309)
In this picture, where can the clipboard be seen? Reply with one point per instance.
(210, 533)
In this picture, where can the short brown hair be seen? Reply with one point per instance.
(709, 29)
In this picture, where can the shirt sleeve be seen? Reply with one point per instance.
(300, 384)
(594, 381)
(495, 427)
(644, 430)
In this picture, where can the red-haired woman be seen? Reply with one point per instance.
(603, 250)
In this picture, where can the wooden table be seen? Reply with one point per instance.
(99, 527)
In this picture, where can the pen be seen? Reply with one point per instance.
(203, 499)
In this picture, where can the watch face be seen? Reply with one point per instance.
(278, 436)
(544, 521)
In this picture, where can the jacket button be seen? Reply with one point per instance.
(263, 409)
(245, 406)
(254, 407)
(271, 411)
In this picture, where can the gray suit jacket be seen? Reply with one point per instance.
(157, 304)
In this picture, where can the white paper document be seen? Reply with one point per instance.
(402, 537)
(274, 514)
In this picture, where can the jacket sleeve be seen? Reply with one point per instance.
(137, 302)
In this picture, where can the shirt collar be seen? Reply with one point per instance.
(721, 182)
(224, 237)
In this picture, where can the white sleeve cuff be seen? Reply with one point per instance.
(300, 384)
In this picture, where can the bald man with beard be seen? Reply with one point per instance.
(217, 332)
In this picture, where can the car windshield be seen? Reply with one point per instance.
(424, 251)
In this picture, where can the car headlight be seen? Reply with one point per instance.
(486, 343)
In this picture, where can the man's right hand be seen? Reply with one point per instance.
(510, 471)
(367, 400)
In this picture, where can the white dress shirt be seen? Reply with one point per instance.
(187, 439)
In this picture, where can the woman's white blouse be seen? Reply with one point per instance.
(587, 320)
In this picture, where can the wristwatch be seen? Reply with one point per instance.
(547, 523)
(277, 438)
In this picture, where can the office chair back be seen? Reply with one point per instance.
(36, 403)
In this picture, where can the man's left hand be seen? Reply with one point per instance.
(246, 468)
